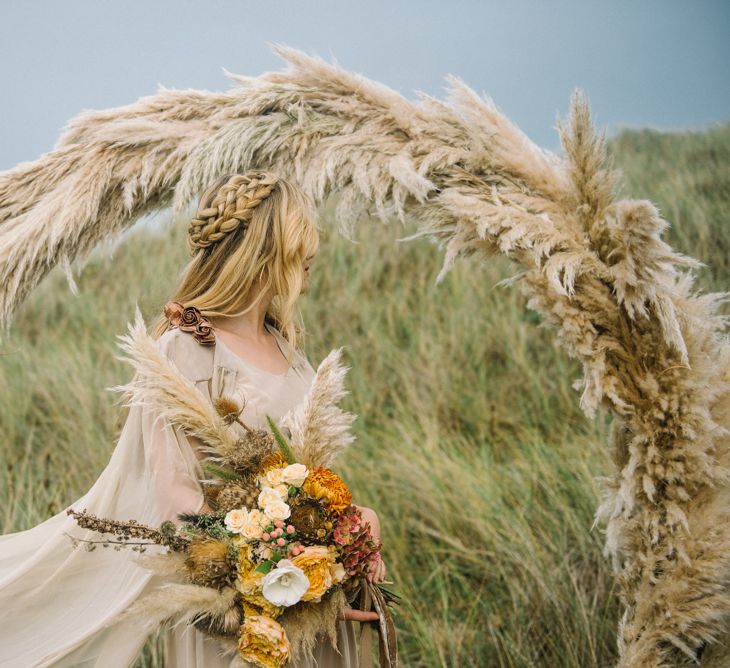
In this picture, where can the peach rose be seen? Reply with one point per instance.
(294, 474)
(316, 562)
(263, 642)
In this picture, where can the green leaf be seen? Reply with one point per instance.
(264, 567)
(225, 474)
(281, 441)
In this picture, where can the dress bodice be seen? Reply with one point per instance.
(261, 392)
(217, 371)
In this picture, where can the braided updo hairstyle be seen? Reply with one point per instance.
(227, 205)
(250, 236)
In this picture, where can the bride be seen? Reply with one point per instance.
(231, 325)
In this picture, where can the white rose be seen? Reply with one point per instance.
(257, 517)
(267, 496)
(282, 490)
(285, 585)
(236, 519)
(277, 510)
(294, 474)
(273, 477)
(251, 530)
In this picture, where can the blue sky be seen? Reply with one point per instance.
(661, 64)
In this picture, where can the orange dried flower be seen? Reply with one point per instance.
(325, 485)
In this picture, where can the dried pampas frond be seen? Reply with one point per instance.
(319, 429)
(308, 621)
(158, 384)
(653, 353)
(171, 564)
(180, 603)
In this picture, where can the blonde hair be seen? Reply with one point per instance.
(252, 232)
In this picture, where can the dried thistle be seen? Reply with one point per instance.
(209, 563)
(243, 494)
(250, 451)
(228, 409)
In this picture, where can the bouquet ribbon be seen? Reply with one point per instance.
(371, 598)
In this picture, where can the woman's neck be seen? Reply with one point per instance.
(250, 325)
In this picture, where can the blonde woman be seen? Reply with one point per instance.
(230, 327)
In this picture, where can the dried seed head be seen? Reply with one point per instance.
(227, 624)
(208, 563)
(228, 409)
(250, 450)
(241, 494)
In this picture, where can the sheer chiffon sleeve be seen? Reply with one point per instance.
(169, 455)
(58, 603)
(173, 468)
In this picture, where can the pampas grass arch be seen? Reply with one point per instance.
(653, 352)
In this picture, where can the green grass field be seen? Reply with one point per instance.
(470, 443)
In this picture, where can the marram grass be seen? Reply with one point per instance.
(459, 394)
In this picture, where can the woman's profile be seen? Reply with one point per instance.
(229, 326)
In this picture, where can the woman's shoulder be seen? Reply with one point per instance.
(195, 361)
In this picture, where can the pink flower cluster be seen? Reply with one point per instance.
(360, 551)
(280, 535)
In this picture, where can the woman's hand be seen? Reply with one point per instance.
(370, 517)
(359, 615)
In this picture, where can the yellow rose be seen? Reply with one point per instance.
(257, 603)
(249, 582)
(263, 642)
(245, 561)
(316, 561)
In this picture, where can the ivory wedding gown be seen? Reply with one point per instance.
(56, 601)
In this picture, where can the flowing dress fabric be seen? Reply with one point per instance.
(57, 603)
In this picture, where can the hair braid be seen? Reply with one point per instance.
(228, 204)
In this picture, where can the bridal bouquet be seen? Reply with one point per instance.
(284, 549)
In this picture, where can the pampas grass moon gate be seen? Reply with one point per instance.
(653, 352)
